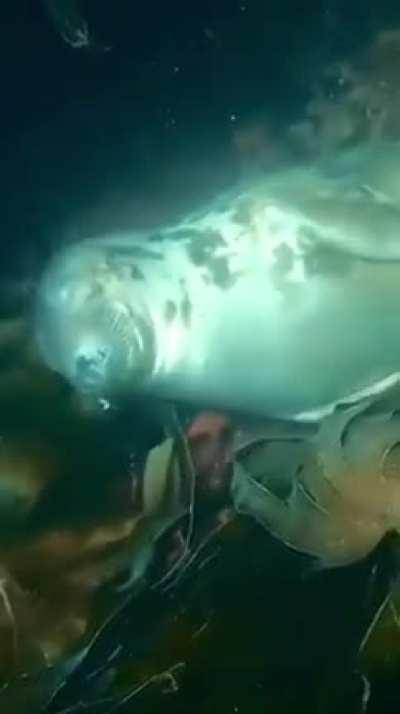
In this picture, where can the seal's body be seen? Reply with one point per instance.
(281, 299)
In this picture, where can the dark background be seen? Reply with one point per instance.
(91, 140)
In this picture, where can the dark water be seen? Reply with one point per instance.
(136, 133)
(132, 131)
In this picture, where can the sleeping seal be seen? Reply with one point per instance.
(279, 299)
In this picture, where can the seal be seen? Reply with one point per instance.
(280, 299)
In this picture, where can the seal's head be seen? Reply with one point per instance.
(91, 324)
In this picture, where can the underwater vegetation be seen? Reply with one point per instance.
(355, 98)
(130, 578)
(333, 495)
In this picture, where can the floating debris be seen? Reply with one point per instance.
(70, 24)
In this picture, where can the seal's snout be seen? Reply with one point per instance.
(91, 368)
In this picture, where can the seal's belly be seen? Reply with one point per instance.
(292, 349)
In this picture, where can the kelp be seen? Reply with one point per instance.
(332, 492)
(332, 495)
(329, 492)
(168, 505)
